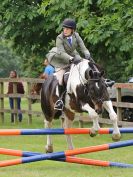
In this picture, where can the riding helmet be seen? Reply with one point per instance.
(69, 23)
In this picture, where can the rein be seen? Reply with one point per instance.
(99, 100)
(80, 77)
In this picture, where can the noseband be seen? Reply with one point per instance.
(97, 100)
(100, 100)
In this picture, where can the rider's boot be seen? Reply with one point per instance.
(59, 105)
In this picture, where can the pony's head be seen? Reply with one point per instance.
(96, 87)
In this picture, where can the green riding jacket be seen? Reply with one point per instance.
(61, 54)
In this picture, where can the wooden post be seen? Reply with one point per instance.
(15, 103)
(29, 102)
(2, 102)
(119, 110)
(81, 123)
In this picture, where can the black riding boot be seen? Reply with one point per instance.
(59, 105)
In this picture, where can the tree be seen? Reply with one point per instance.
(110, 33)
(8, 61)
(27, 29)
(105, 25)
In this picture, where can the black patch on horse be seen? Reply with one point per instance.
(48, 96)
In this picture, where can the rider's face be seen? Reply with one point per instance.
(67, 31)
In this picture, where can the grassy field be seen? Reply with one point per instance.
(61, 169)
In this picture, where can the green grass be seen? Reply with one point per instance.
(61, 169)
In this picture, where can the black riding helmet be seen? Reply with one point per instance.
(69, 23)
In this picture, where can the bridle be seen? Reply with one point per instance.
(81, 78)
(85, 85)
(97, 100)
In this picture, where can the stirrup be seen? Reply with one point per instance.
(109, 83)
(59, 105)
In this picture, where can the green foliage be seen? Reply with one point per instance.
(105, 25)
(25, 27)
(20, 25)
(110, 34)
(8, 61)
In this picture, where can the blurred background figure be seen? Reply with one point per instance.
(48, 69)
(20, 89)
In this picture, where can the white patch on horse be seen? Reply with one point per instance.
(77, 76)
(113, 116)
(67, 103)
(97, 85)
(93, 115)
(57, 91)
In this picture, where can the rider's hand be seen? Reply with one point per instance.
(71, 60)
(87, 56)
(76, 61)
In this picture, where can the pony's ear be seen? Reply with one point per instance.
(91, 65)
(102, 73)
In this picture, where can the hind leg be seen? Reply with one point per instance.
(62, 118)
(67, 123)
(49, 145)
(113, 116)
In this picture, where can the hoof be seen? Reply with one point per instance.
(116, 137)
(48, 149)
(93, 132)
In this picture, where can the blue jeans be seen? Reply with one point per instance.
(11, 101)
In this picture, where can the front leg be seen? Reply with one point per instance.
(113, 116)
(49, 145)
(94, 116)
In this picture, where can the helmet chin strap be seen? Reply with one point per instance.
(72, 31)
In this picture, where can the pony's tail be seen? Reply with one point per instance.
(47, 93)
